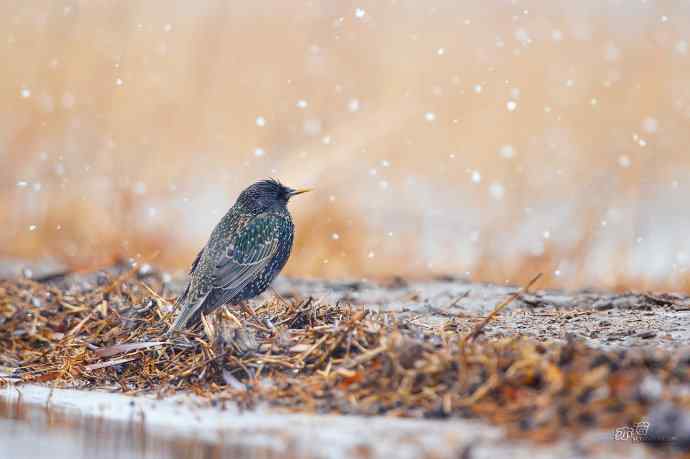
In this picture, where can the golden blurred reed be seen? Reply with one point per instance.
(486, 140)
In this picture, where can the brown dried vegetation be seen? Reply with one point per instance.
(107, 331)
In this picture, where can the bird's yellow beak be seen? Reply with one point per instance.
(300, 191)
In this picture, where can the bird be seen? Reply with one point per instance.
(247, 249)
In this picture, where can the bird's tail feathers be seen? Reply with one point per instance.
(188, 312)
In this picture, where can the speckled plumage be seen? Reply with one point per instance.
(246, 251)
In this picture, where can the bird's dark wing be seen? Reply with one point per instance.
(183, 297)
(243, 259)
(247, 256)
(196, 260)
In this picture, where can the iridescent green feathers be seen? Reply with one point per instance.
(246, 251)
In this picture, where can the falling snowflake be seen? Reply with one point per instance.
(650, 125)
(496, 190)
(506, 151)
(139, 188)
(353, 105)
(312, 127)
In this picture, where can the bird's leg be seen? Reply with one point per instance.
(231, 316)
(248, 310)
(280, 297)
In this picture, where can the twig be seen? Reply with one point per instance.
(457, 299)
(120, 348)
(499, 307)
(79, 326)
(280, 297)
(109, 363)
(313, 348)
(204, 363)
(444, 310)
(364, 358)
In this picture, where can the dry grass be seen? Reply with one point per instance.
(107, 332)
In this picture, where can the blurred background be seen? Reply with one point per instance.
(487, 140)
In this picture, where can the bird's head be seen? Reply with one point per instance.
(266, 194)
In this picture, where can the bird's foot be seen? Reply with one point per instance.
(248, 310)
(180, 341)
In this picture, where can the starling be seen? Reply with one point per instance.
(246, 251)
